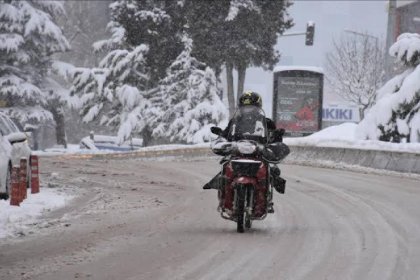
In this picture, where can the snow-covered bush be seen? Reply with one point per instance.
(28, 38)
(396, 115)
(190, 103)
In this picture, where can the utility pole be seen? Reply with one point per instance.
(391, 35)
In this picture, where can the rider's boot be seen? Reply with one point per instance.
(278, 182)
(207, 186)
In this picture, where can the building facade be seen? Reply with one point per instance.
(403, 17)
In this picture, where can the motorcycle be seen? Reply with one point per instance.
(246, 188)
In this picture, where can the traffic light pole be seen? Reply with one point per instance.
(293, 34)
(310, 33)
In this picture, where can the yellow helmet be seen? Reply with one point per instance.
(250, 98)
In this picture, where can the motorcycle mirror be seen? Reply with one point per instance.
(216, 130)
(281, 131)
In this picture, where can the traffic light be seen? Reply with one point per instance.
(310, 32)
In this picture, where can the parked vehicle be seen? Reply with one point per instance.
(5, 166)
(13, 147)
(105, 142)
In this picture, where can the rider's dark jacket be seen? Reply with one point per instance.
(276, 135)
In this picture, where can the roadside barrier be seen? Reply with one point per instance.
(15, 184)
(385, 160)
(34, 174)
(19, 180)
(23, 173)
(405, 162)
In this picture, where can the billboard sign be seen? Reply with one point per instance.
(297, 104)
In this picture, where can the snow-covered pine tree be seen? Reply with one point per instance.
(190, 101)
(238, 34)
(156, 23)
(28, 38)
(119, 92)
(123, 91)
(116, 93)
(396, 115)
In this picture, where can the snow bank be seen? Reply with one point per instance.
(345, 136)
(14, 219)
(76, 150)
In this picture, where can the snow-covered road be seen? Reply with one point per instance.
(151, 220)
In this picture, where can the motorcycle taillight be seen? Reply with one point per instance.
(228, 171)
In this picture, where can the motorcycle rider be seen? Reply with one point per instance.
(251, 98)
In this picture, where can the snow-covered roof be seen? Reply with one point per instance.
(300, 68)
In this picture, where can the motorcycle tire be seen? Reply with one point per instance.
(240, 208)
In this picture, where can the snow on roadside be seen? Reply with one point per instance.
(338, 136)
(344, 136)
(75, 149)
(14, 219)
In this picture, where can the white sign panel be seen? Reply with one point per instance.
(335, 113)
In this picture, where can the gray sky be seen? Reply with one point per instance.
(331, 19)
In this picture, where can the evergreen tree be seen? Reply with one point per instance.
(129, 90)
(156, 23)
(205, 21)
(252, 28)
(115, 94)
(28, 39)
(396, 115)
(119, 93)
(84, 24)
(237, 34)
(190, 100)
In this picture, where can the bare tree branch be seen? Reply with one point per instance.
(354, 69)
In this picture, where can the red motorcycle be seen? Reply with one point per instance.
(246, 188)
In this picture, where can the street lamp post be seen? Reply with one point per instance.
(391, 35)
(363, 34)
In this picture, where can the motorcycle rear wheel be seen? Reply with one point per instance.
(240, 208)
